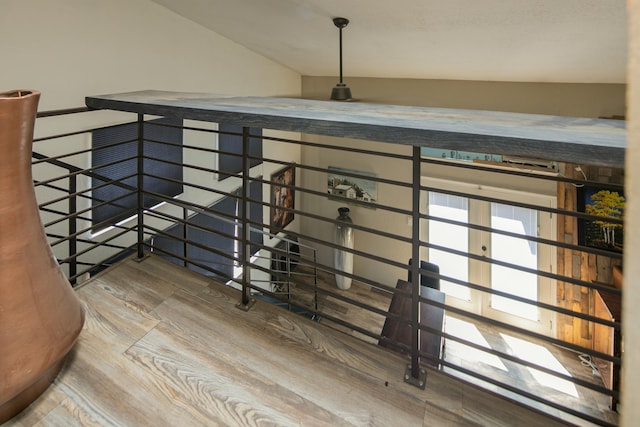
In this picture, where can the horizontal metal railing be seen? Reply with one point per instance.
(174, 229)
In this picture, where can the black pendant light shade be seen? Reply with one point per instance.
(341, 91)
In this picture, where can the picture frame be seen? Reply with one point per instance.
(343, 185)
(605, 203)
(282, 198)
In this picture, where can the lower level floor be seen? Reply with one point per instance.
(519, 376)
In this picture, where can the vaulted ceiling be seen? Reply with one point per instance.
(582, 41)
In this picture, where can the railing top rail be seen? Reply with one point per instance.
(61, 112)
(579, 140)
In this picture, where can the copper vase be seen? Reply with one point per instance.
(40, 315)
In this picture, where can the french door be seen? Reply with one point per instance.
(462, 252)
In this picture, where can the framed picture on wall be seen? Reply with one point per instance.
(282, 198)
(605, 232)
(349, 185)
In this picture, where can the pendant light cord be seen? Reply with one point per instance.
(340, 55)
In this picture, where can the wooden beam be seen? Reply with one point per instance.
(577, 140)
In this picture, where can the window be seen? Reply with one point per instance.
(124, 153)
(220, 240)
(231, 163)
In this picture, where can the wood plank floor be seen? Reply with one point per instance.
(163, 346)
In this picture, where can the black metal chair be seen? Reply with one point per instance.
(428, 280)
(396, 332)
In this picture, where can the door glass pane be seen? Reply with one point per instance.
(450, 236)
(516, 251)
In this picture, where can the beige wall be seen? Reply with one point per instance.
(376, 219)
(69, 49)
(579, 100)
(631, 296)
(556, 99)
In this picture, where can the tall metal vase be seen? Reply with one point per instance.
(40, 315)
(343, 260)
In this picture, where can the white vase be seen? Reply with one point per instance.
(344, 237)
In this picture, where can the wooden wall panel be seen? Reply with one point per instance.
(578, 264)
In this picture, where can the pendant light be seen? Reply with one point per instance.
(341, 91)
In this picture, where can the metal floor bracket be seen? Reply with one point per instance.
(246, 307)
(420, 382)
(146, 255)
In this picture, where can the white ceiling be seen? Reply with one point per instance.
(499, 40)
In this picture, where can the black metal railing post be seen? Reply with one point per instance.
(245, 250)
(185, 236)
(414, 374)
(73, 228)
(140, 188)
